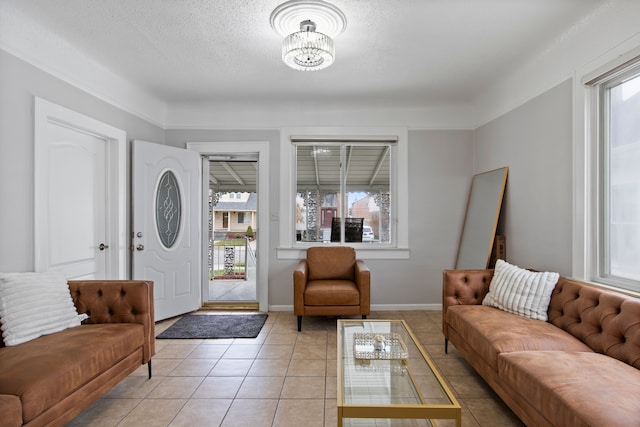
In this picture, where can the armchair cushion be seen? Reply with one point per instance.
(337, 263)
(331, 292)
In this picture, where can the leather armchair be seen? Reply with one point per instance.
(331, 282)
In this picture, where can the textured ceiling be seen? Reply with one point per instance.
(397, 52)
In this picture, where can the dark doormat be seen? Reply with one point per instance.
(215, 326)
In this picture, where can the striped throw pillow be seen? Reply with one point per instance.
(521, 291)
(34, 304)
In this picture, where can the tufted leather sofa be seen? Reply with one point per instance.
(580, 368)
(49, 380)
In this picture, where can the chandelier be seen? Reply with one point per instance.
(308, 50)
(303, 47)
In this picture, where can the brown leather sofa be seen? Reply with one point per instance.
(331, 282)
(51, 379)
(580, 368)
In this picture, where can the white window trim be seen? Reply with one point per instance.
(586, 128)
(287, 244)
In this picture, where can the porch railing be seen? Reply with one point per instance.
(231, 258)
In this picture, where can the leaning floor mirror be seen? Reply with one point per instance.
(481, 219)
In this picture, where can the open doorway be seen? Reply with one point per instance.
(233, 233)
(257, 154)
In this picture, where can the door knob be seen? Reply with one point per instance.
(140, 247)
(102, 246)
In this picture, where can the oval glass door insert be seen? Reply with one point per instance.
(168, 209)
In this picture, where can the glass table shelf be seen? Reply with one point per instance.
(391, 382)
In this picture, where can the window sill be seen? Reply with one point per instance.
(361, 253)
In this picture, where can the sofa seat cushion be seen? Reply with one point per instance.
(44, 371)
(574, 388)
(490, 331)
(331, 292)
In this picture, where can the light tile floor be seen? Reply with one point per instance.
(281, 378)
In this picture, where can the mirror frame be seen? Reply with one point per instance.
(481, 219)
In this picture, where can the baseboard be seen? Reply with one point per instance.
(377, 307)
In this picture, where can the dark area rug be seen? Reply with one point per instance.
(215, 326)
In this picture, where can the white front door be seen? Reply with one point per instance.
(166, 223)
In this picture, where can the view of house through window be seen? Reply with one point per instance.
(620, 189)
(343, 192)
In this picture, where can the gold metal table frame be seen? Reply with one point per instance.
(389, 384)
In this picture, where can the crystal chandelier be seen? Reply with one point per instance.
(308, 50)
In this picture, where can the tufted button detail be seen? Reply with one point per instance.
(99, 292)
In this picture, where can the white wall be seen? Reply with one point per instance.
(609, 26)
(535, 142)
(523, 123)
(440, 169)
(440, 160)
(440, 172)
(19, 83)
(526, 118)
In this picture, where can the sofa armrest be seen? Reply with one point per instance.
(118, 301)
(363, 282)
(300, 277)
(463, 287)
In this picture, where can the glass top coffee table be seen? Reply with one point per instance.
(384, 373)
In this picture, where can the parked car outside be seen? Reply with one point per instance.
(367, 234)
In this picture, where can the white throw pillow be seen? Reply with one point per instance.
(521, 291)
(35, 304)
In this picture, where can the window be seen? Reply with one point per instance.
(244, 217)
(340, 187)
(618, 248)
(341, 192)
